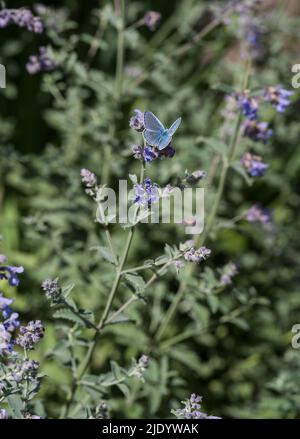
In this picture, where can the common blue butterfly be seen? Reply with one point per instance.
(155, 134)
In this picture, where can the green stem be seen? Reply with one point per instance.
(90, 352)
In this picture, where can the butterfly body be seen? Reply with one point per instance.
(155, 134)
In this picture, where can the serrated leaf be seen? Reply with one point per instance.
(15, 403)
(106, 254)
(67, 314)
(136, 282)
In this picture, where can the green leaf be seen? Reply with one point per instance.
(106, 254)
(67, 314)
(117, 371)
(15, 403)
(121, 318)
(213, 302)
(124, 389)
(135, 282)
(241, 171)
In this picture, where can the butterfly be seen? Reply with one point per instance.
(155, 134)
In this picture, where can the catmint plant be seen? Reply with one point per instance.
(124, 314)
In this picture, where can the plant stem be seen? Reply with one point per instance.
(90, 352)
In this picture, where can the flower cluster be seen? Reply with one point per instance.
(257, 214)
(248, 104)
(17, 369)
(3, 414)
(254, 165)
(229, 271)
(21, 370)
(257, 131)
(10, 318)
(89, 180)
(197, 255)
(101, 411)
(253, 128)
(32, 416)
(140, 367)
(22, 17)
(30, 335)
(10, 273)
(152, 19)
(192, 408)
(52, 290)
(146, 193)
(41, 62)
(191, 179)
(278, 97)
(136, 122)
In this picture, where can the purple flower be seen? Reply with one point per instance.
(136, 122)
(11, 274)
(12, 322)
(199, 255)
(2, 259)
(146, 193)
(30, 334)
(149, 154)
(192, 408)
(5, 18)
(3, 414)
(4, 302)
(140, 366)
(88, 178)
(168, 152)
(6, 344)
(22, 17)
(31, 416)
(25, 369)
(152, 19)
(195, 176)
(179, 265)
(257, 131)
(137, 151)
(52, 290)
(41, 62)
(254, 165)
(278, 97)
(248, 105)
(229, 271)
(257, 214)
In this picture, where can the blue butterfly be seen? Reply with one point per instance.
(155, 134)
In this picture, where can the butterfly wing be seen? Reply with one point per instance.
(164, 141)
(152, 123)
(174, 127)
(152, 137)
